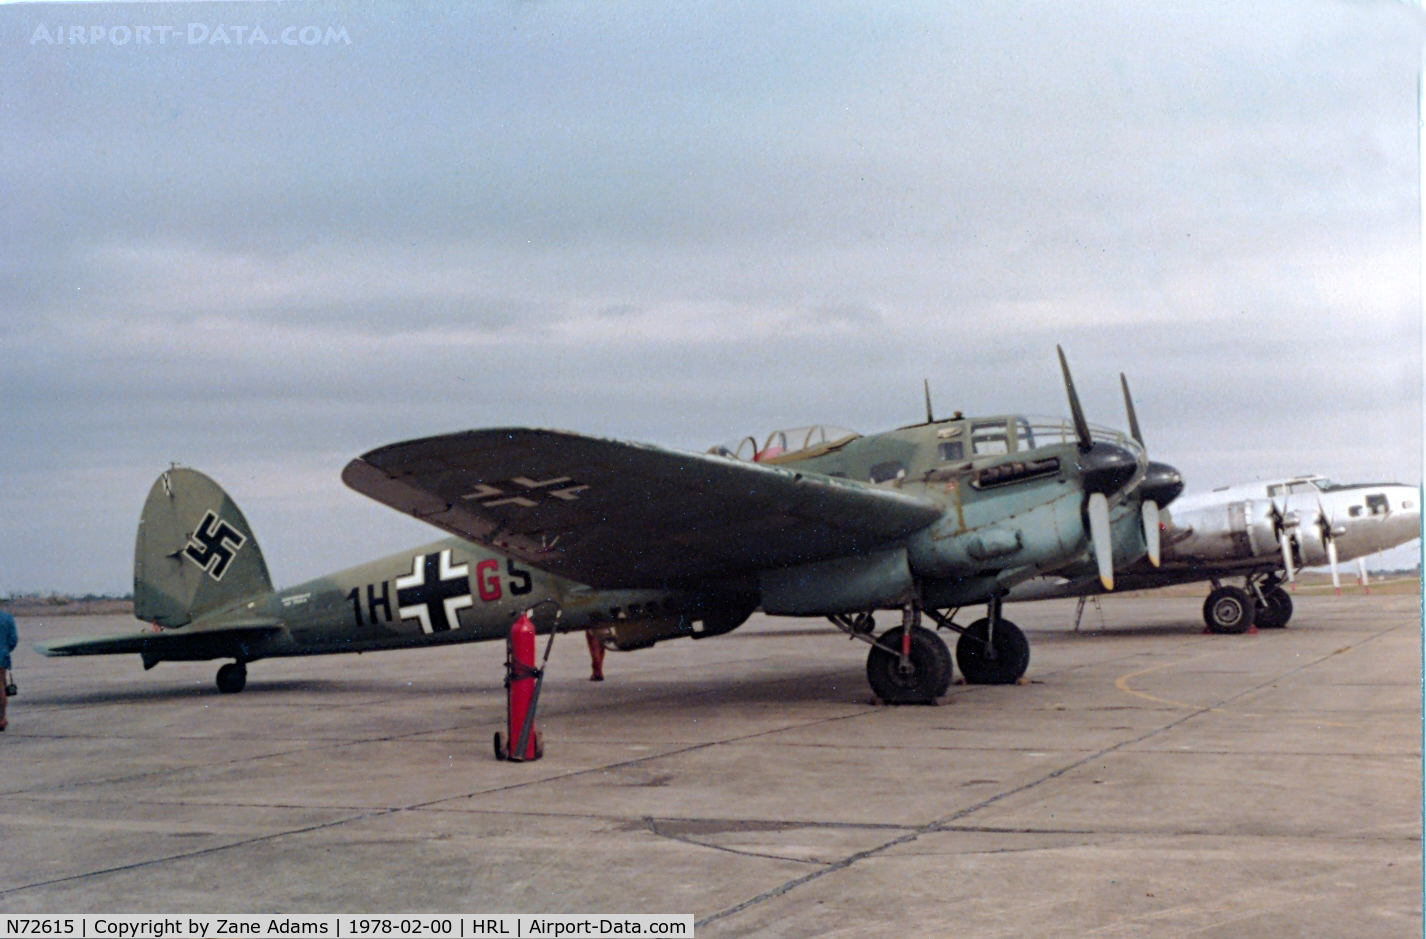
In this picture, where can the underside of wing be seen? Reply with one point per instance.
(613, 514)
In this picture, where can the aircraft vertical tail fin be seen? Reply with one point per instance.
(195, 551)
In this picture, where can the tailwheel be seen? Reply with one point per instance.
(1000, 661)
(232, 677)
(1274, 611)
(1228, 610)
(921, 679)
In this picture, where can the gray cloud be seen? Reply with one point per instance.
(683, 223)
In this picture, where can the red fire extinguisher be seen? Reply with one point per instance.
(522, 692)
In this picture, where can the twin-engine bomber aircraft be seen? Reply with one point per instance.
(651, 544)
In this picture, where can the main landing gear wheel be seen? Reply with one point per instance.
(926, 675)
(1275, 612)
(232, 677)
(1003, 666)
(1228, 610)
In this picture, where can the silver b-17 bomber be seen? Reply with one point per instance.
(649, 544)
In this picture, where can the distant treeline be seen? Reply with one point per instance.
(40, 604)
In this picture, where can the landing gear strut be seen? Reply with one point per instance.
(911, 665)
(232, 677)
(991, 651)
(908, 664)
(1272, 604)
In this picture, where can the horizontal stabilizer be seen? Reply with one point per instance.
(194, 643)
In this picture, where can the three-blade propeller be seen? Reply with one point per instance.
(1108, 467)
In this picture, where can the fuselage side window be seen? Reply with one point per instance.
(988, 439)
(1274, 492)
(1296, 488)
(1355, 511)
(1377, 505)
(952, 450)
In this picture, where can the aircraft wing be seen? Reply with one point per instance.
(612, 514)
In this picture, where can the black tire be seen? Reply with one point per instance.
(1276, 612)
(1012, 654)
(500, 747)
(232, 677)
(1229, 611)
(928, 677)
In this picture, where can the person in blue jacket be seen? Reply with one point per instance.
(9, 638)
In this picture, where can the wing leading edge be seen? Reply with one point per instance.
(612, 514)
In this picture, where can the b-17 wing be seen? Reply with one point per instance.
(613, 514)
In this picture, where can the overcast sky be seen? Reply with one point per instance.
(682, 223)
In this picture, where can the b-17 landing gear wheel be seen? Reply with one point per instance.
(926, 675)
(1010, 659)
(1275, 612)
(232, 677)
(1228, 610)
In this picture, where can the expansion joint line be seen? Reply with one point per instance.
(940, 824)
(380, 813)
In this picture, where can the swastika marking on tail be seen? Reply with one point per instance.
(213, 544)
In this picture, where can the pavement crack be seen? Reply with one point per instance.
(941, 824)
(653, 828)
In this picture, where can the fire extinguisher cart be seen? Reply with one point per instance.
(523, 741)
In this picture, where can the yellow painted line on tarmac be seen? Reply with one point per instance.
(1122, 683)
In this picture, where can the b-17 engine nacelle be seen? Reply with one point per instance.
(1230, 531)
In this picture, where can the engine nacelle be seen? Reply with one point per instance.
(840, 585)
(1232, 531)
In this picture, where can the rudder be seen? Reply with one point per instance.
(195, 552)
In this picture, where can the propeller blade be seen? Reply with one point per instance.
(1324, 527)
(1283, 538)
(1081, 426)
(1099, 536)
(1129, 409)
(1332, 560)
(927, 384)
(1151, 530)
